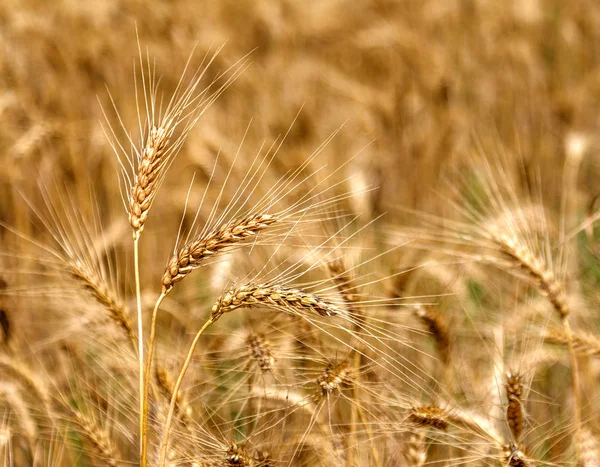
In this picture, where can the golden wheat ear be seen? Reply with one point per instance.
(163, 131)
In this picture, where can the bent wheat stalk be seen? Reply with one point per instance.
(280, 298)
(190, 257)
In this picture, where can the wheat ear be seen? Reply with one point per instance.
(97, 437)
(415, 453)
(438, 330)
(99, 289)
(294, 301)
(193, 254)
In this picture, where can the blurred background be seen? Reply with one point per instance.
(415, 90)
(417, 85)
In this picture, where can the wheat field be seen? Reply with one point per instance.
(299, 233)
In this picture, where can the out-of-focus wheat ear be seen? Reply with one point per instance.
(429, 416)
(542, 275)
(260, 351)
(99, 289)
(18, 372)
(335, 376)
(165, 384)
(442, 419)
(415, 452)
(26, 425)
(590, 449)
(583, 344)
(436, 326)
(345, 284)
(97, 438)
(514, 408)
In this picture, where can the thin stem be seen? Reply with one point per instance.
(138, 296)
(354, 414)
(186, 364)
(575, 381)
(148, 370)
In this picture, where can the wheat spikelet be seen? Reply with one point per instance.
(514, 409)
(237, 455)
(289, 300)
(191, 255)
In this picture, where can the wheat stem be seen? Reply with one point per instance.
(186, 364)
(575, 382)
(138, 297)
(147, 371)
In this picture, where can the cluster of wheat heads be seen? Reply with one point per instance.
(312, 340)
